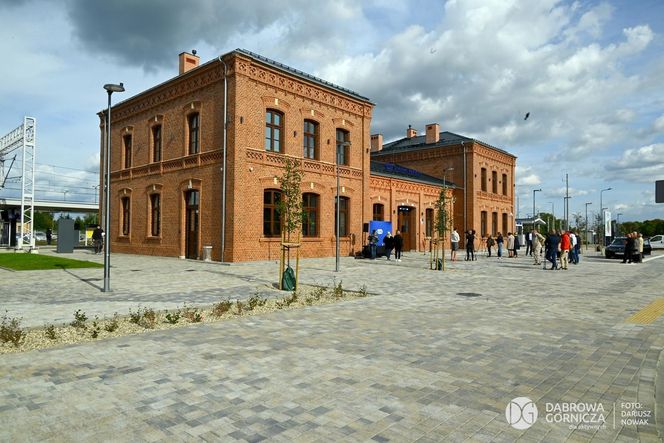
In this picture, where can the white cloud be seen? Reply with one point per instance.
(644, 164)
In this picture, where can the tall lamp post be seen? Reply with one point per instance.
(110, 89)
(601, 211)
(534, 191)
(587, 203)
(552, 220)
(566, 206)
(618, 223)
(340, 147)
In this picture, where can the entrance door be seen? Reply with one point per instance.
(406, 224)
(191, 229)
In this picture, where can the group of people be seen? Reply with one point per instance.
(513, 245)
(560, 248)
(391, 243)
(633, 248)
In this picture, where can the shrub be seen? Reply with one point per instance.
(193, 315)
(173, 318)
(79, 320)
(49, 332)
(363, 291)
(112, 325)
(255, 301)
(338, 291)
(240, 306)
(148, 318)
(11, 331)
(135, 317)
(219, 309)
(318, 293)
(95, 328)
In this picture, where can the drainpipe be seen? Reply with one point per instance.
(223, 180)
(465, 189)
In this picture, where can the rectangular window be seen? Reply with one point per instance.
(194, 133)
(429, 223)
(126, 215)
(273, 128)
(127, 150)
(378, 212)
(311, 139)
(494, 223)
(155, 215)
(504, 184)
(310, 211)
(494, 182)
(344, 209)
(271, 216)
(506, 228)
(483, 222)
(343, 147)
(156, 143)
(483, 179)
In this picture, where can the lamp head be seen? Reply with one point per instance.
(111, 88)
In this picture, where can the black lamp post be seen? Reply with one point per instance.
(110, 88)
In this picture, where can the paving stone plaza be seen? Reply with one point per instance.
(428, 357)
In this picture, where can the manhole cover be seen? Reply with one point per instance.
(469, 294)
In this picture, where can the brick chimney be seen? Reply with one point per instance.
(376, 142)
(188, 61)
(410, 132)
(433, 133)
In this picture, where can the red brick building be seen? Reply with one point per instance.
(484, 174)
(170, 144)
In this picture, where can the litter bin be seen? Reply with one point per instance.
(207, 253)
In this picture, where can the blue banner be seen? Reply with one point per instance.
(381, 228)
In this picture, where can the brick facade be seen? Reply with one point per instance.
(255, 85)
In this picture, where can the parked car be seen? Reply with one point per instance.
(617, 247)
(40, 236)
(657, 241)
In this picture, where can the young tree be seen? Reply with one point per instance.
(442, 225)
(290, 210)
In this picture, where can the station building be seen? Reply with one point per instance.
(196, 162)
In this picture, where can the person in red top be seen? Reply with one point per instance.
(565, 245)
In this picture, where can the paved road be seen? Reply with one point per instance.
(431, 356)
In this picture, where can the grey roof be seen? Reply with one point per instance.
(301, 74)
(419, 142)
(394, 170)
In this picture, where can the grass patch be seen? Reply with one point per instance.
(36, 262)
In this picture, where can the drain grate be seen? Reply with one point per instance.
(469, 294)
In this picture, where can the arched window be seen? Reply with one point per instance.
(156, 143)
(126, 215)
(310, 209)
(484, 179)
(127, 142)
(344, 211)
(311, 140)
(378, 212)
(271, 215)
(155, 215)
(343, 147)
(194, 123)
(274, 125)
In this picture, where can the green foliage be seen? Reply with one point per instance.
(112, 325)
(43, 221)
(34, 262)
(135, 317)
(79, 320)
(338, 290)
(290, 205)
(94, 333)
(255, 301)
(49, 332)
(443, 219)
(192, 314)
(11, 331)
(239, 307)
(647, 227)
(173, 317)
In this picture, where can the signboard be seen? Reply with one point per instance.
(381, 228)
(607, 223)
(659, 191)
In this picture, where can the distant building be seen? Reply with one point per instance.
(484, 174)
(167, 162)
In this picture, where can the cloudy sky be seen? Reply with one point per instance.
(590, 73)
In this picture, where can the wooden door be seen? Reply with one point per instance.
(192, 224)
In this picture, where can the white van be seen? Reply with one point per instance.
(657, 241)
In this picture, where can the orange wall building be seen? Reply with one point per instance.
(484, 175)
(171, 194)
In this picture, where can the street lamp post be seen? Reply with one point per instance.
(552, 220)
(534, 191)
(601, 211)
(96, 188)
(340, 146)
(110, 89)
(618, 223)
(587, 203)
(566, 206)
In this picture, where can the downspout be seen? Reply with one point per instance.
(465, 189)
(223, 180)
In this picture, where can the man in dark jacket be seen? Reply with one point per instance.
(553, 245)
(388, 241)
(398, 245)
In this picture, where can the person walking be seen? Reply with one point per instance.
(639, 247)
(572, 247)
(629, 248)
(454, 240)
(553, 241)
(388, 241)
(49, 236)
(510, 245)
(398, 245)
(373, 244)
(538, 242)
(98, 239)
(500, 242)
(517, 245)
(470, 245)
(489, 244)
(565, 246)
(529, 243)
